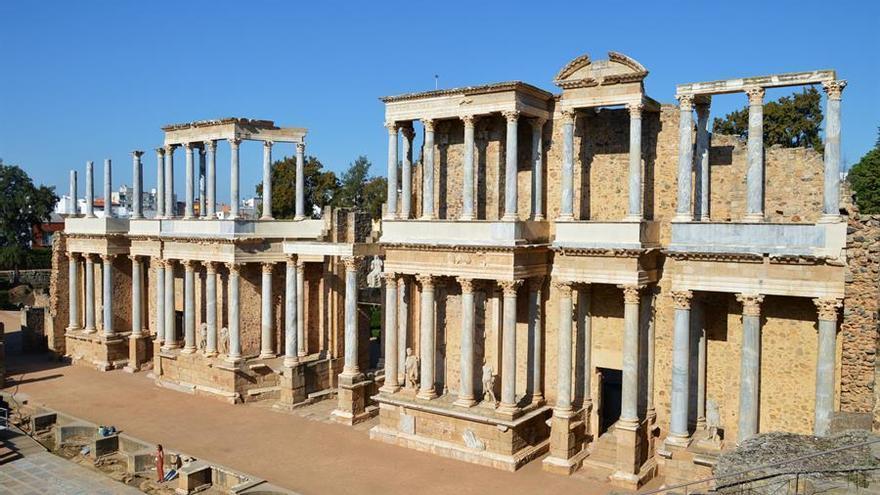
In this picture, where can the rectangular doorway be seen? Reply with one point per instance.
(610, 396)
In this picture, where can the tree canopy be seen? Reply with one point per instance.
(865, 180)
(22, 206)
(791, 121)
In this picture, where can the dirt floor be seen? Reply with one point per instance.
(291, 450)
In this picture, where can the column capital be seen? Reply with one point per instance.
(72, 256)
(536, 283)
(268, 144)
(156, 263)
(756, 95)
(390, 278)
(828, 308)
(160, 151)
(682, 299)
(210, 145)
(107, 257)
(188, 147)
(168, 262)
(635, 110)
(834, 88)
(292, 259)
(234, 142)
(267, 266)
(426, 281)
(169, 148)
(569, 115)
(392, 128)
(511, 115)
(88, 257)
(685, 102)
(631, 294)
(466, 284)
(428, 124)
(563, 286)
(469, 120)
(137, 154)
(509, 287)
(702, 107)
(188, 265)
(407, 130)
(134, 257)
(210, 267)
(233, 268)
(351, 263)
(300, 147)
(751, 303)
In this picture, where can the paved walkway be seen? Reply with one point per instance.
(289, 450)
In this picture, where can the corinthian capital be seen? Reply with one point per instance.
(160, 152)
(827, 308)
(352, 263)
(509, 287)
(834, 88)
(568, 116)
(511, 115)
(234, 142)
(300, 148)
(756, 95)
(268, 144)
(390, 279)
(751, 303)
(392, 128)
(426, 281)
(468, 120)
(268, 267)
(685, 102)
(635, 110)
(137, 153)
(564, 287)
(682, 299)
(631, 294)
(428, 124)
(210, 145)
(467, 285)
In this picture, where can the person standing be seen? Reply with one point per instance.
(160, 464)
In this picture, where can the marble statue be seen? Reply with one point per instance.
(224, 341)
(374, 278)
(713, 420)
(203, 336)
(411, 368)
(489, 385)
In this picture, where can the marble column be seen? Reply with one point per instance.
(189, 307)
(137, 173)
(267, 347)
(566, 211)
(211, 178)
(234, 302)
(160, 183)
(350, 366)
(402, 324)
(90, 293)
(750, 366)
(510, 165)
(831, 195)
(73, 192)
(300, 182)
(406, 172)
(391, 194)
(467, 193)
(108, 188)
(466, 396)
(648, 302)
(203, 183)
(211, 307)
(634, 211)
(428, 171)
(291, 358)
(584, 320)
(630, 387)
(536, 326)
(188, 209)
(825, 365)
(73, 291)
(159, 267)
(683, 211)
(302, 345)
(137, 290)
(107, 296)
(267, 181)
(234, 199)
(170, 206)
(698, 317)
(755, 145)
(508, 345)
(701, 163)
(170, 340)
(681, 351)
(391, 382)
(90, 189)
(538, 168)
(564, 349)
(427, 389)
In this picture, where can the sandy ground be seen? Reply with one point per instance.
(289, 450)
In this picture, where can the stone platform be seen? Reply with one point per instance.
(104, 352)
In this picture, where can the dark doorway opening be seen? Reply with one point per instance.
(610, 393)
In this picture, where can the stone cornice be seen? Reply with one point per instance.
(262, 124)
(604, 252)
(472, 90)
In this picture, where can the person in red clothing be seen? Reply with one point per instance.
(160, 464)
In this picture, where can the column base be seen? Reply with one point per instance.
(290, 361)
(830, 218)
(683, 217)
(509, 218)
(633, 218)
(539, 218)
(465, 402)
(565, 218)
(674, 441)
(753, 218)
(233, 359)
(211, 354)
(466, 218)
(567, 433)
(386, 389)
(627, 472)
(267, 355)
(299, 217)
(510, 410)
(188, 350)
(137, 352)
(427, 394)
(267, 218)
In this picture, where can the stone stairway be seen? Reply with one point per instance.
(603, 453)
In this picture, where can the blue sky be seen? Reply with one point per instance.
(89, 80)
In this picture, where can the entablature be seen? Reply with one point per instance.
(232, 128)
(471, 100)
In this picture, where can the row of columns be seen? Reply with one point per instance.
(84, 318)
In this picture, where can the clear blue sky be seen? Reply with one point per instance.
(89, 80)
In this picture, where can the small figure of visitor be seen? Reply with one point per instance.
(160, 464)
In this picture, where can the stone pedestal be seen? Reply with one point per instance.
(567, 439)
(352, 396)
(104, 352)
(139, 347)
(630, 472)
(293, 387)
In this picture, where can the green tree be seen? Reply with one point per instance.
(320, 186)
(375, 194)
(359, 190)
(22, 206)
(865, 180)
(791, 121)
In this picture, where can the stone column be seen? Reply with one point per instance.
(466, 396)
(73, 291)
(510, 166)
(234, 143)
(831, 194)
(160, 182)
(564, 350)
(267, 181)
(351, 367)
(211, 177)
(203, 183)
(683, 211)
(828, 309)
(402, 324)
(291, 358)
(649, 379)
(755, 172)
(211, 307)
(427, 388)
(538, 168)
(137, 173)
(585, 321)
(391, 195)
(170, 341)
(108, 188)
(90, 293)
(698, 317)
(170, 207)
(159, 266)
(428, 171)
(634, 213)
(536, 318)
(302, 347)
(701, 164)
(107, 297)
(508, 345)
(750, 365)
(467, 205)
(566, 211)
(391, 383)
(90, 190)
(137, 289)
(406, 173)
(73, 191)
(630, 387)
(678, 424)
(234, 333)
(300, 182)
(189, 307)
(267, 349)
(188, 209)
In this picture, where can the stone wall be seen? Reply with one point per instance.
(59, 287)
(34, 278)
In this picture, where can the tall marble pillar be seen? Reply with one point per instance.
(427, 388)
(536, 336)
(211, 307)
(108, 188)
(428, 171)
(189, 209)
(234, 199)
(566, 211)
(681, 352)
(234, 321)
(698, 319)
(189, 307)
(160, 183)
(159, 267)
(564, 349)
(137, 173)
(107, 297)
(170, 206)
(701, 163)
(211, 178)
(71, 205)
(391, 194)
(755, 145)
(831, 192)
(302, 345)
(406, 172)
(203, 182)
(683, 211)
(90, 189)
(137, 291)
(825, 364)
(508, 345)
(466, 396)
(634, 210)
(300, 182)
(584, 320)
(267, 347)
(538, 168)
(750, 366)
(350, 366)
(648, 304)
(467, 193)
(170, 340)
(90, 293)
(391, 383)
(402, 324)
(630, 386)
(290, 312)
(511, 196)
(73, 291)
(267, 181)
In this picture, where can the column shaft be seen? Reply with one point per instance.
(234, 331)
(831, 196)
(825, 364)
(159, 335)
(203, 183)
(302, 345)
(73, 291)
(137, 289)
(137, 173)
(391, 195)
(508, 344)
(211, 308)
(698, 315)
(391, 383)
(566, 211)
(267, 181)
(538, 169)
(107, 297)
(402, 324)
(683, 211)
(90, 293)
(585, 321)
(170, 340)
(750, 366)
(678, 425)
(159, 200)
(406, 175)
(467, 206)
(701, 164)
(564, 348)
(188, 210)
(267, 347)
(510, 167)
(635, 162)
(189, 307)
(211, 178)
(300, 181)
(630, 386)
(426, 338)
(71, 206)
(90, 189)
(351, 367)
(290, 313)
(755, 172)
(108, 188)
(536, 317)
(234, 178)
(428, 171)
(170, 207)
(466, 373)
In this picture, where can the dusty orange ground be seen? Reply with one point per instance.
(289, 450)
